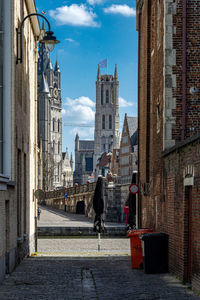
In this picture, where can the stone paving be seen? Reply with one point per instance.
(54, 217)
(84, 247)
(89, 279)
(73, 269)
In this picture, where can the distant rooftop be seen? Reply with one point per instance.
(86, 145)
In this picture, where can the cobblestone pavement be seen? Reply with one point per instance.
(84, 247)
(53, 217)
(89, 279)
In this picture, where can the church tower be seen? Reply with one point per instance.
(49, 119)
(107, 134)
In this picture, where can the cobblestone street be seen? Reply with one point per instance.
(89, 279)
(73, 269)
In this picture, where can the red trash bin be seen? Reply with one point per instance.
(136, 247)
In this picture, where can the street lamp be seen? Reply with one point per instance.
(49, 39)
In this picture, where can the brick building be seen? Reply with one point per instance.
(18, 133)
(168, 128)
(128, 149)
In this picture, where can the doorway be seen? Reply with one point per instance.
(7, 222)
(188, 235)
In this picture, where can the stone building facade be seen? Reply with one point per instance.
(67, 170)
(84, 152)
(18, 133)
(49, 119)
(107, 134)
(168, 128)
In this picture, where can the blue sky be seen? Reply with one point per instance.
(90, 31)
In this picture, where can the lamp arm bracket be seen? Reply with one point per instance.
(21, 33)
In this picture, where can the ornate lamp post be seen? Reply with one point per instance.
(49, 40)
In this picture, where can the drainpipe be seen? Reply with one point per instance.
(184, 66)
(138, 199)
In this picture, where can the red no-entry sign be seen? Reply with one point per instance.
(134, 188)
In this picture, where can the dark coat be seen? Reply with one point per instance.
(98, 206)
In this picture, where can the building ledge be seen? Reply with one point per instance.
(3, 182)
(181, 144)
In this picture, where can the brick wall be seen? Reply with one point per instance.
(164, 205)
(192, 67)
(150, 110)
(183, 222)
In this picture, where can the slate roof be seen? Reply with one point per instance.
(132, 127)
(86, 145)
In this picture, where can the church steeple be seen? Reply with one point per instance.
(57, 68)
(98, 74)
(49, 65)
(71, 162)
(116, 75)
(44, 88)
(77, 142)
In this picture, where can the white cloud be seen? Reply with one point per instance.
(124, 103)
(70, 40)
(93, 2)
(79, 110)
(75, 15)
(63, 111)
(124, 10)
(84, 133)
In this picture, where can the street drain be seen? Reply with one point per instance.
(89, 289)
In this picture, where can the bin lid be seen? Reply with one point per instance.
(138, 232)
(153, 235)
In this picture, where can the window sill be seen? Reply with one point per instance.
(3, 182)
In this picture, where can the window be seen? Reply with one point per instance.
(58, 147)
(125, 149)
(88, 164)
(110, 122)
(53, 147)
(53, 124)
(125, 140)
(107, 96)
(102, 94)
(103, 144)
(103, 122)
(124, 160)
(124, 129)
(58, 125)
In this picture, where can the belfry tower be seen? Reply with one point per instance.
(107, 134)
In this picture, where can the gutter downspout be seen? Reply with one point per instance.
(184, 69)
(138, 201)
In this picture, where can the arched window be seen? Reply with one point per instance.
(107, 96)
(58, 147)
(53, 124)
(103, 122)
(102, 94)
(103, 144)
(110, 122)
(53, 147)
(58, 125)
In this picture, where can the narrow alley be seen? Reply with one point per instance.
(72, 268)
